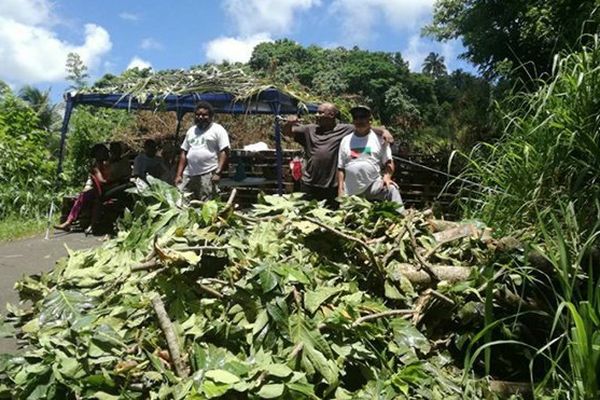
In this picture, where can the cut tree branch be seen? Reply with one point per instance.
(167, 327)
(449, 273)
(147, 266)
(424, 264)
(390, 313)
(341, 234)
(200, 248)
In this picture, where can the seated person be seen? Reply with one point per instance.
(361, 157)
(99, 173)
(120, 167)
(120, 173)
(148, 163)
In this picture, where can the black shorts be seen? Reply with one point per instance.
(318, 193)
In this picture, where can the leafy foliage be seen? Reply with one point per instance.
(42, 105)
(545, 171)
(434, 65)
(501, 36)
(26, 170)
(419, 107)
(548, 155)
(280, 302)
(89, 126)
(76, 71)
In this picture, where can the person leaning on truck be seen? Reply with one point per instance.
(204, 155)
(321, 142)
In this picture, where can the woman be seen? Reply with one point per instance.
(99, 174)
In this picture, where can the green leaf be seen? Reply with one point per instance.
(262, 319)
(408, 337)
(222, 376)
(304, 388)
(271, 391)
(105, 396)
(64, 305)
(6, 330)
(279, 370)
(214, 389)
(314, 299)
(391, 292)
(268, 280)
(210, 210)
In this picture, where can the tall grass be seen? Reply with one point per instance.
(574, 343)
(545, 173)
(550, 149)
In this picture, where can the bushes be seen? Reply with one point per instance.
(544, 172)
(26, 168)
(549, 152)
(89, 126)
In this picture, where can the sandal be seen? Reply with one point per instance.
(66, 228)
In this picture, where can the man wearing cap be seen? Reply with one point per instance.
(321, 142)
(362, 157)
(204, 154)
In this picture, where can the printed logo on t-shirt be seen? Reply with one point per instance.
(198, 140)
(358, 151)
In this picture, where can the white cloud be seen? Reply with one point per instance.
(234, 49)
(419, 48)
(255, 21)
(31, 52)
(451, 50)
(29, 12)
(360, 18)
(137, 62)
(415, 53)
(273, 16)
(151, 44)
(129, 16)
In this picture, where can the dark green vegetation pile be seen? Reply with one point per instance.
(289, 300)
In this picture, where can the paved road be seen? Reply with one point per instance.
(32, 256)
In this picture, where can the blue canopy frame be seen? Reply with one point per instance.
(268, 101)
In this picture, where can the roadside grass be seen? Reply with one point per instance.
(15, 227)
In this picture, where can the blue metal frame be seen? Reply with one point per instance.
(268, 101)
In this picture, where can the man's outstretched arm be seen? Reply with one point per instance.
(291, 126)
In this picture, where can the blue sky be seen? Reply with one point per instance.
(111, 35)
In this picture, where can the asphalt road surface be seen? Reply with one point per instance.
(32, 256)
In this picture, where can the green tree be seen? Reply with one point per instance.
(411, 103)
(76, 71)
(42, 105)
(4, 89)
(90, 126)
(503, 35)
(26, 168)
(270, 57)
(434, 65)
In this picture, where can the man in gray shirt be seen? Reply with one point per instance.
(321, 142)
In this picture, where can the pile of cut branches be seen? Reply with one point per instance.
(289, 300)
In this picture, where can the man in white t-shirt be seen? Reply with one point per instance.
(361, 158)
(204, 154)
